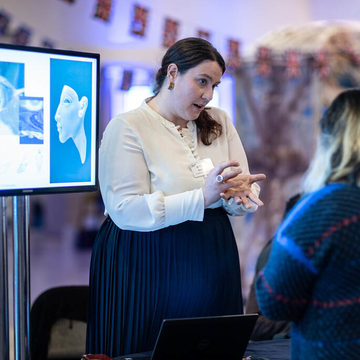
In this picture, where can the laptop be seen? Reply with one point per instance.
(202, 338)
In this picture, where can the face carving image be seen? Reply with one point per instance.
(70, 116)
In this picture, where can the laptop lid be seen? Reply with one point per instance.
(207, 338)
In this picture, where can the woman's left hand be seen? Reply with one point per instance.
(242, 193)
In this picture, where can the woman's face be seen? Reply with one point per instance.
(194, 89)
(67, 114)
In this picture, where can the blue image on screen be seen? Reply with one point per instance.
(70, 120)
(11, 86)
(31, 120)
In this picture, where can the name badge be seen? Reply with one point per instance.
(201, 167)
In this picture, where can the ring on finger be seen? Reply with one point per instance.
(219, 178)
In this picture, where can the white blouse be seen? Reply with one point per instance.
(144, 174)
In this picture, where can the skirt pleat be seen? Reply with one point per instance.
(137, 279)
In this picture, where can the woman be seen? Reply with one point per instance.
(312, 276)
(168, 170)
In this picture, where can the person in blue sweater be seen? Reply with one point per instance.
(312, 277)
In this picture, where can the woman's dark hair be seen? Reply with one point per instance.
(186, 54)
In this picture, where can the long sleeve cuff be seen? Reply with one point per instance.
(238, 210)
(184, 206)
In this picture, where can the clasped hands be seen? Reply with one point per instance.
(234, 185)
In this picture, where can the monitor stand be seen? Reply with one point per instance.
(21, 310)
(4, 295)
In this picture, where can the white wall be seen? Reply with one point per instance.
(335, 10)
(73, 25)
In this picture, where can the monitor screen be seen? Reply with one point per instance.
(49, 111)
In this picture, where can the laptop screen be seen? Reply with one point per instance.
(218, 337)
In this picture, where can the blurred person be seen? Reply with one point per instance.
(266, 329)
(312, 276)
(170, 172)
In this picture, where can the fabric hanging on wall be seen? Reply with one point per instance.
(276, 120)
(322, 63)
(5, 19)
(126, 80)
(282, 90)
(263, 61)
(293, 63)
(103, 9)
(170, 35)
(139, 21)
(233, 61)
(22, 35)
(48, 44)
(204, 34)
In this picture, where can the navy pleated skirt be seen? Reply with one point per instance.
(137, 279)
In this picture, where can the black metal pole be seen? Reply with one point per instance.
(21, 211)
(4, 296)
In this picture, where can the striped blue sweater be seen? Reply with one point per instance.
(313, 275)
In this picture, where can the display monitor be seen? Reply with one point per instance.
(49, 111)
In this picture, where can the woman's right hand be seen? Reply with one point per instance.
(212, 188)
(230, 185)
